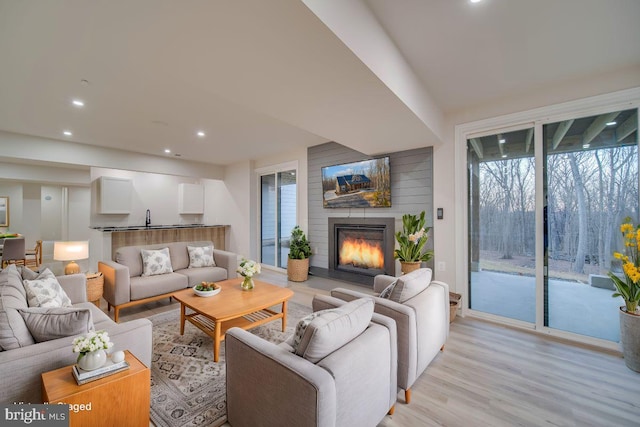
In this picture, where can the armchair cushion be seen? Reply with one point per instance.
(334, 328)
(410, 285)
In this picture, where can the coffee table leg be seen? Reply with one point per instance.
(216, 342)
(284, 315)
(182, 318)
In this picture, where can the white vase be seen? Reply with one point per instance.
(92, 360)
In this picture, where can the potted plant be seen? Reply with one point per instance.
(299, 253)
(411, 240)
(629, 289)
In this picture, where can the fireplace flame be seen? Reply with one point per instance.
(362, 254)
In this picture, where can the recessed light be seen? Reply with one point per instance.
(504, 156)
(475, 1)
(68, 133)
(78, 102)
(201, 134)
(166, 150)
(612, 123)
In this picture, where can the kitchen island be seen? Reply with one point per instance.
(149, 235)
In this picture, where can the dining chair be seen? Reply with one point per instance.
(34, 256)
(13, 252)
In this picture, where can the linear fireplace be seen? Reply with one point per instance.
(361, 246)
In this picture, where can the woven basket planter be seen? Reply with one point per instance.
(454, 303)
(408, 267)
(298, 269)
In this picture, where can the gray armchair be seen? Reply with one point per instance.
(352, 385)
(422, 319)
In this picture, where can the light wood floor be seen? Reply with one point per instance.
(492, 375)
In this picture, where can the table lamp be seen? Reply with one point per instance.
(71, 251)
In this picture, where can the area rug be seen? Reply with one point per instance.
(187, 386)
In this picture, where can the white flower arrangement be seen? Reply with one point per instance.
(248, 268)
(94, 340)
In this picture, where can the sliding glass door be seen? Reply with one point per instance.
(559, 189)
(277, 216)
(501, 172)
(590, 185)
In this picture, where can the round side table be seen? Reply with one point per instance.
(95, 285)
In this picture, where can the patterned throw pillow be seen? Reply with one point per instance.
(156, 261)
(45, 291)
(201, 256)
(386, 292)
(301, 327)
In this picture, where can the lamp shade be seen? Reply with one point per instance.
(70, 251)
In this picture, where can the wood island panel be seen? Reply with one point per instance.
(217, 234)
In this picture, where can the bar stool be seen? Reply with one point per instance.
(13, 252)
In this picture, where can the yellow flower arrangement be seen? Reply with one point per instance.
(629, 289)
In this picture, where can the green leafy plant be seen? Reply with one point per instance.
(629, 288)
(412, 239)
(299, 246)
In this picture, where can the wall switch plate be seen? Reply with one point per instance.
(442, 266)
(440, 213)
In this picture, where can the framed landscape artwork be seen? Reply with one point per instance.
(4, 211)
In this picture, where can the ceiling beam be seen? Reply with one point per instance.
(627, 128)
(597, 126)
(562, 130)
(477, 146)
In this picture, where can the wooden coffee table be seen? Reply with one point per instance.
(232, 307)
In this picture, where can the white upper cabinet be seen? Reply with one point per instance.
(190, 199)
(114, 195)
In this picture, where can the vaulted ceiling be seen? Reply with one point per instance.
(262, 77)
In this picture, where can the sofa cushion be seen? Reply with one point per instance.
(13, 330)
(410, 285)
(333, 328)
(150, 286)
(200, 256)
(203, 274)
(156, 261)
(46, 324)
(45, 291)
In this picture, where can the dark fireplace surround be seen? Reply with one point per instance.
(381, 233)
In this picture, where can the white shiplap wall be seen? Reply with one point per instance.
(411, 192)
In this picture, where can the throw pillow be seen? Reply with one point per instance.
(13, 331)
(156, 262)
(410, 285)
(201, 256)
(386, 292)
(302, 325)
(46, 324)
(334, 328)
(45, 291)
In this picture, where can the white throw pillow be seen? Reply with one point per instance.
(45, 291)
(410, 285)
(156, 261)
(334, 328)
(201, 256)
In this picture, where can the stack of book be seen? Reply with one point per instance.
(109, 368)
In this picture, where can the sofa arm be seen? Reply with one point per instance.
(117, 283)
(290, 388)
(75, 286)
(226, 260)
(135, 336)
(445, 286)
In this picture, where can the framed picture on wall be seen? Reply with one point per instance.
(4, 211)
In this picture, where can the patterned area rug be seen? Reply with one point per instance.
(187, 387)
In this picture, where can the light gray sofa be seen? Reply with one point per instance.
(351, 385)
(22, 364)
(125, 286)
(422, 319)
